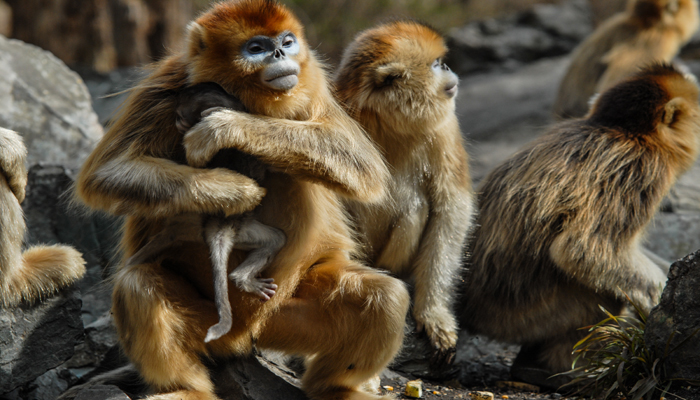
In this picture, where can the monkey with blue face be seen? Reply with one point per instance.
(345, 318)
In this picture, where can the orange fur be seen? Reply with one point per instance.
(386, 82)
(314, 150)
(39, 271)
(561, 221)
(648, 31)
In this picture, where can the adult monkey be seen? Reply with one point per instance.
(560, 222)
(347, 318)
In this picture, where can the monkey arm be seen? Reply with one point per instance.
(597, 262)
(156, 187)
(333, 151)
(441, 250)
(13, 156)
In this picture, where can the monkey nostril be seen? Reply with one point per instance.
(279, 53)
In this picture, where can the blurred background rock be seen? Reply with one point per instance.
(105, 34)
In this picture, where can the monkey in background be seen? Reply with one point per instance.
(345, 318)
(648, 31)
(221, 234)
(393, 81)
(39, 271)
(560, 222)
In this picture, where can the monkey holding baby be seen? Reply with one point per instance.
(221, 234)
(345, 318)
(560, 223)
(648, 31)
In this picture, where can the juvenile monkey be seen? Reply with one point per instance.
(347, 319)
(221, 234)
(39, 271)
(393, 81)
(560, 222)
(648, 31)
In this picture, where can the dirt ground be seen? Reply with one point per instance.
(454, 390)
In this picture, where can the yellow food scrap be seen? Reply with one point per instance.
(414, 389)
(481, 395)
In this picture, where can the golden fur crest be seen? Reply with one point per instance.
(401, 52)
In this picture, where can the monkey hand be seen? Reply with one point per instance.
(441, 329)
(215, 132)
(13, 156)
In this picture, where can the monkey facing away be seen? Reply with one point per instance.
(220, 233)
(393, 81)
(39, 271)
(560, 222)
(648, 31)
(345, 318)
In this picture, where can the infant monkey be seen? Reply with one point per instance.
(221, 234)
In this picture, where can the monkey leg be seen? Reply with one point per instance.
(265, 242)
(40, 270)
(348, 321)
(220, 235)
(161, 320)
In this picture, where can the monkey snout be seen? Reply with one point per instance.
(451, 88)
(282, 75)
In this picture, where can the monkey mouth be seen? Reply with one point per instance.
(284, 81)
(451, 89)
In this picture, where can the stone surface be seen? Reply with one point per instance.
(675, 323)
(673, 235)
(546, 30)
(50, 220)
(47, 104)
(35, 339)
(102, 392)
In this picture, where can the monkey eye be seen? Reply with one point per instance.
(255, 48)
(288, 41)
(436, 64)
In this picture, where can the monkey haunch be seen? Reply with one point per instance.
(648, 31)
(329, 308)
(393, 81)
(561, 221)
(39, 271)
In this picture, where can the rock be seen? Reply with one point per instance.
(47, 103)
(543, 31)
(483, 360)
(36, 339)
(500, 112)
(671, 235)
(247, 378)
(674, 324)
(102, 392)
(100, 337)
(109, 90)
(414, 389)
(49, 220)
(416, 357)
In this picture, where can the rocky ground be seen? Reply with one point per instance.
(509, 69)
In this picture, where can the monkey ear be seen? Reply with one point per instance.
(672, 109)
(196, 39)
(386, 74)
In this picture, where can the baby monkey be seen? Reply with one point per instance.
(220, 233)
